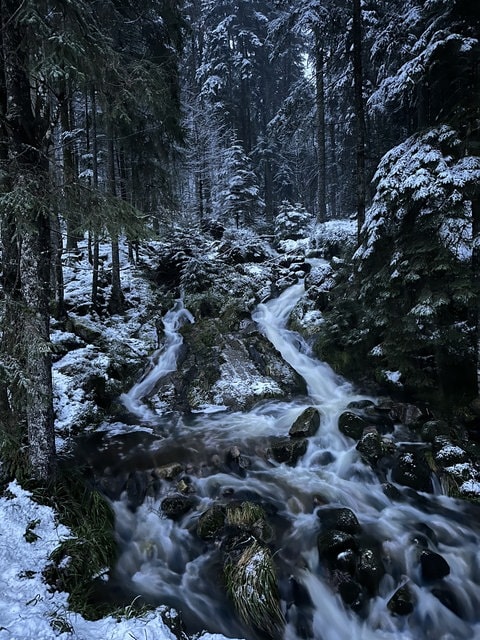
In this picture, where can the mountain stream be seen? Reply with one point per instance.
(164, 561)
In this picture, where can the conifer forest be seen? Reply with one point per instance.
(240, 319)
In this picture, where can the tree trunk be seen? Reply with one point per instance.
(359, 114)
(320, 127)
(69, 172)
(28, 168)
(116, 302)
(96, 248)
(333, 173)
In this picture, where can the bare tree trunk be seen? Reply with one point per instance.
(333, 173)
(320, 127)
(359, 115)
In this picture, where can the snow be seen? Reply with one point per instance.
(28, 609)
(393, 377)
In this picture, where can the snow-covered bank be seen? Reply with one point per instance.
(28, 609)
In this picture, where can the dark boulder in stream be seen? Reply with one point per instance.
(411, 469)
(287, 451)
(177, 505)
(434, 566)
(402, 601)
(306, 424)
(352, 425)
(341, 518)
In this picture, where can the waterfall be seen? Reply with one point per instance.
(162, 362)
(165, 562)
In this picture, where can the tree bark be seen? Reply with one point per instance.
(320, 127)
(116, 301)
(359, 114)
(28, 168)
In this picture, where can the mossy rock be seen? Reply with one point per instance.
(211, 522)
(177, 505)
(251, 583)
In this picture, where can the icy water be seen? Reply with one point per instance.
(164, 560)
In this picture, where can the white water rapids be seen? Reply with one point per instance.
(165, 562)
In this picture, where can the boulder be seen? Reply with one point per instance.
(370, 569)
(448, 598)
(211, 522)
(433, 428)
(306, 424)
(433, 565)
(340, 518)
(334, 542)
(402, 601)
(287, 450)
(350, 591)
(408, 414)
(351, 425)
(176, 505)
(168, 471)
(411, 470)
(370, 446)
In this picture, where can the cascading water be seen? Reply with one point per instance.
(166, 562)
(163, 362)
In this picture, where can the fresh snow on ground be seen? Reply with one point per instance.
(28, 609)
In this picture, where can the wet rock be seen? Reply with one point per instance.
(346, 561)
(351, 424)
(408, 414)
(306, 424)
(287, 451)
(185, 485)
(360, 404)
(211, 522)
(370, 569)
(236, 462)
(177, 505)
(448, 598)
(136, 487)
(334, 542)
(402, 602)
(349, 589)
(168, 471)
(391, 491)
(341, 518)
(412, 470)
(434, 566)
(251, 582)
(370, 446)
(433, 428)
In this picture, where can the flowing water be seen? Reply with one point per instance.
(165, 562)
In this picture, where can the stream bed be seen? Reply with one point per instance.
(225, 458)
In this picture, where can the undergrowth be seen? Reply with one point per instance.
(78, 564)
